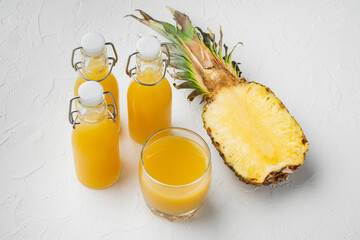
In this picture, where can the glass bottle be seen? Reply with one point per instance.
(149, 96)
(95, 138)
(95, 65)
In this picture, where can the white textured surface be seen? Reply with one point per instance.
(307, 52)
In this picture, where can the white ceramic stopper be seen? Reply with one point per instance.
(148, 47)
(91, 93)
(93, 44)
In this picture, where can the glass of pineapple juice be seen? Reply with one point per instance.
(175, 173)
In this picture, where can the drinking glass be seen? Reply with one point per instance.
(171, 201)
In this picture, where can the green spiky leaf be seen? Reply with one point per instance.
(195, 54)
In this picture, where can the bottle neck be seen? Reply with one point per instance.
(92, 114)
(149, 71)
(94, 67)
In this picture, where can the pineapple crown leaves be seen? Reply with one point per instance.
(209, 41)
(193, 53)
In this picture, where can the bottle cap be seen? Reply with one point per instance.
(93, 44)
(91, 93)
(148, 47)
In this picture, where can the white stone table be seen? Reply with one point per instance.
(307, 52)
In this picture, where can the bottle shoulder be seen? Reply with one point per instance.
(110, 84)
(95, 76)
(161, 91)
(164, 83)
(104, 127)
(96, 136)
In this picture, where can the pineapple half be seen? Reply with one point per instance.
(251, 128)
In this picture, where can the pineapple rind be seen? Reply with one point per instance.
(260, 155)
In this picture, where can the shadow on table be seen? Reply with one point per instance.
(206, 215)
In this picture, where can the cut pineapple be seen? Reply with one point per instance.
(252, 130)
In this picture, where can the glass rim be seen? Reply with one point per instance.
(170, 185)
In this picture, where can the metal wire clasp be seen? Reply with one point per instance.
(131, 73)
(73, 121)
(112, 113)
(77, 65)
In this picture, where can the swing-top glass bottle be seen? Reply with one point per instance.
(149, 96)
(95, 138)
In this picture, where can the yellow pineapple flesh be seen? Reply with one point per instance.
(254, 132)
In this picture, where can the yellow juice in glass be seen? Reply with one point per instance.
(175, 173)
(149, 107)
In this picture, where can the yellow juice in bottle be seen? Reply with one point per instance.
(96, 153)
(149, 107)
(175, 175)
